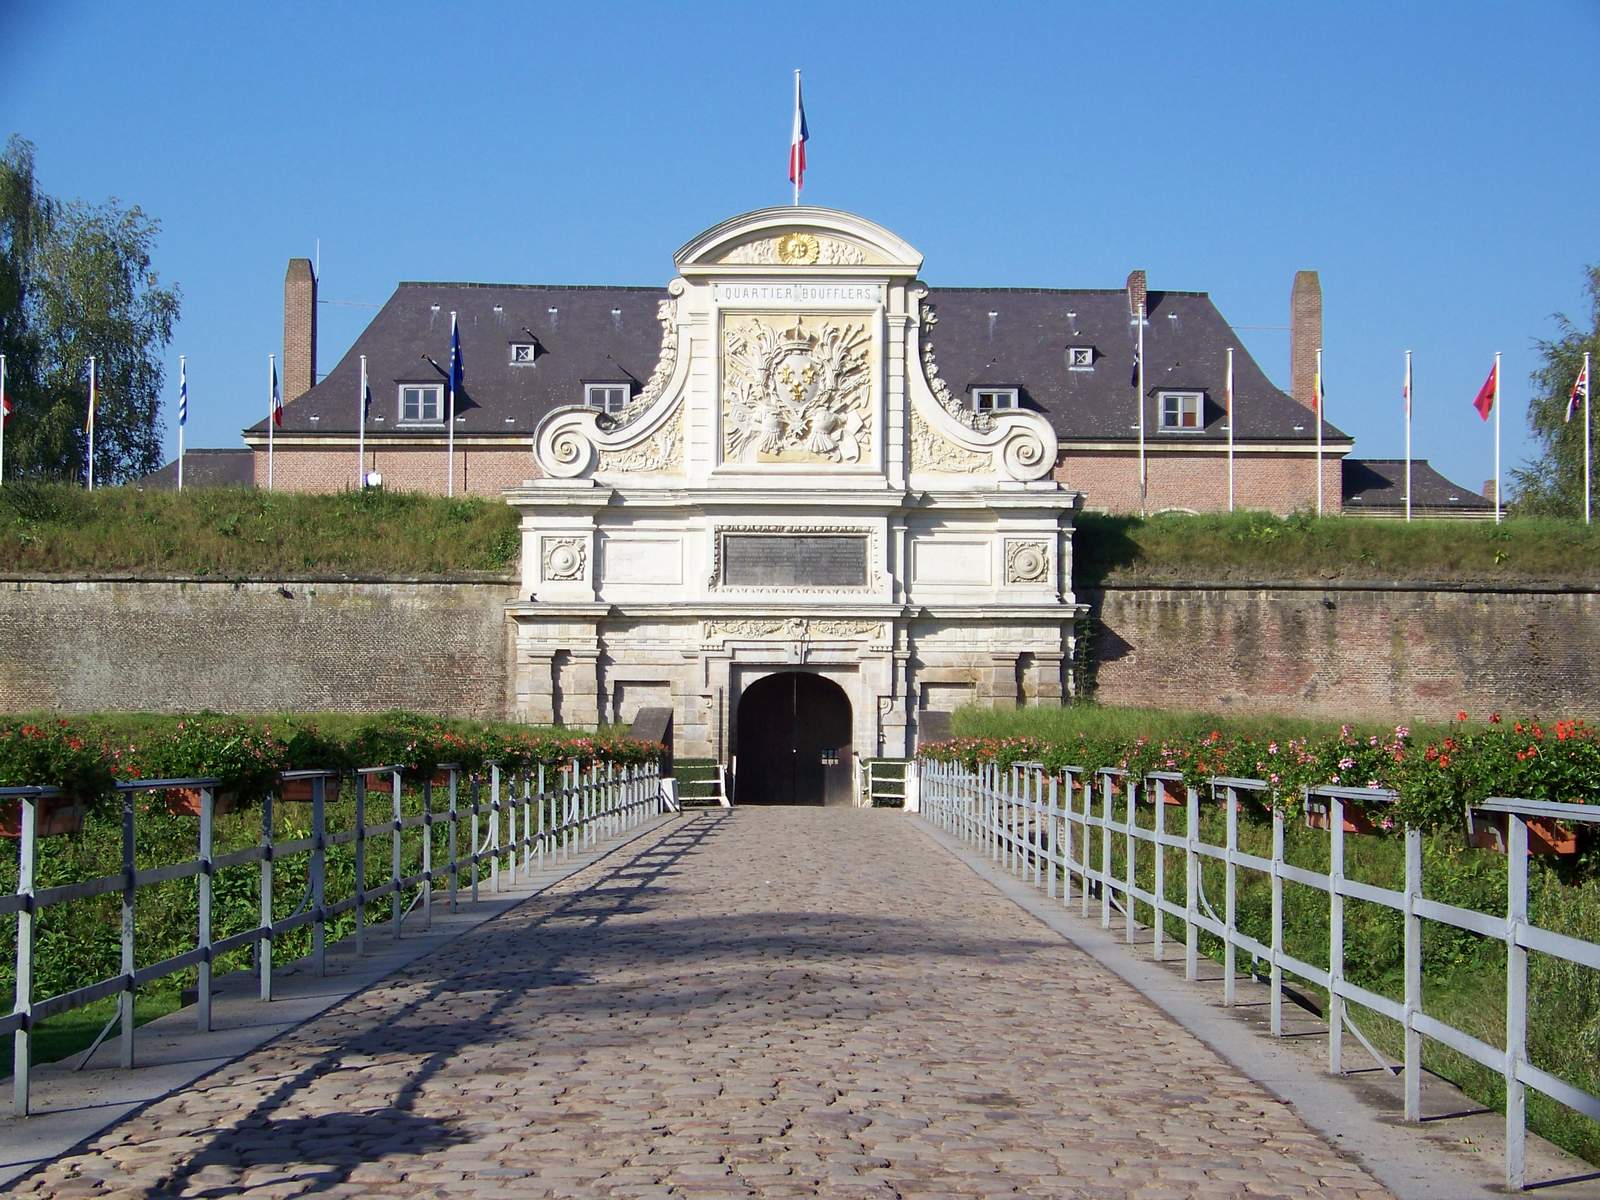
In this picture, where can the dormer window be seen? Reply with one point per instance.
(421, 403)
(607, 397)
(1182, 412)
(1080, 358)
(523, 354)
(988, 399)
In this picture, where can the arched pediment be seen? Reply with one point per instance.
(799, 236)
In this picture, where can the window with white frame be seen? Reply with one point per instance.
(993, 399)
(523, 354)
(607, 397)
(1182, 411)
(1080, 358)
(422, 403)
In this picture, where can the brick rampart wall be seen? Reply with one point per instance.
(1379, 654)
(1198, 482)
(163, 647)
(480, 471)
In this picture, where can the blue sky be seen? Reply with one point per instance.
(1431, 160)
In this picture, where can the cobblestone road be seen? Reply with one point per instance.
(767, 1003)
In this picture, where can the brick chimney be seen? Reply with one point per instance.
(1489, 490)
(299, 329)
(1136, 294)
(1305, 336)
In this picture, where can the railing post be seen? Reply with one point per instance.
(1050, 837)
(472, 833)
(1130, 790)
(268, 870)
(125, 1000)
(319, 876)
(527, 824)
(1335, 936)
(1086, 795)
(1413, 973)
(22, 1039)
(361, 864)
(542, 802)
(1191, 885)
(1276, 966)
(1158, 828)
(1107, 790)
(453, 841)
(1069, 788)
(1230, 899)
(494, 831)
(574, 803)
(1516, 999)
(396, 909)
(203, 943)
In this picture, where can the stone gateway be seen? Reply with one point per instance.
(792, 535)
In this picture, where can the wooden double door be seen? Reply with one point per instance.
(793, 741)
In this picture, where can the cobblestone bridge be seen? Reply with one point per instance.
(756, 1002)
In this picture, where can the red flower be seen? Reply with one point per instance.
(1461, 714)
(1494, 718)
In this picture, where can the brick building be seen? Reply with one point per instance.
(1070, 355)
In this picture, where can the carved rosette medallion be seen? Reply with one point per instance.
(1027, 561)
(661, 451)
(797, 389)
(931, 451)
(564, 558)
(790, 628)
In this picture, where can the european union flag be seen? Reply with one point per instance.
(457, 367)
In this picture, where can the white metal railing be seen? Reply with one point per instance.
(1039, 824)
(555, 812)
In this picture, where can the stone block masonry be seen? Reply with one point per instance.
(254, 647)
(1371, 652)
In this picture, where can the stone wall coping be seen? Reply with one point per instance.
(509, 579)
(1531, 588)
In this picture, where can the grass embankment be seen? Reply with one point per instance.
(236, 533)
(1250, 547)
(1463, 973)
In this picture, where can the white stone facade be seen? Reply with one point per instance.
(794, 489)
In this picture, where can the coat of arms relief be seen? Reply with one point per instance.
(797, 389)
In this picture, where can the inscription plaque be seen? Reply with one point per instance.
(768, 560)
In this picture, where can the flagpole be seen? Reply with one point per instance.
(1497, 437)
(361, 430)
(793, 162)
(272, 374)
(91, 422)
(450, 417)
(1230, 428)
(182, 384)
(1144, 479)
(1588, 388)
(1408, 435)
(3, 419)
(1317, 416)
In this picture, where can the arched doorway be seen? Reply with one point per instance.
(793, 741)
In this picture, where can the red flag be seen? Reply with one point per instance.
(5, 408)
(1484, 401)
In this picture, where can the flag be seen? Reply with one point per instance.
(1316, 392)
(5, 404)
(1133, 379)
(457, 367)
(798, 139)
(1580, 390)
(1484, 400)
(1405, 388)
(277, 398)
(88, 422)
(183, 395)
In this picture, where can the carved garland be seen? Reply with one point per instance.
(791, 627)
(662, 451)
(797, 249)
(666, 363)
(981, 422)
(932, 452)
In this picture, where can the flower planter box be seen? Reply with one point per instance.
(1492, 831)
(384, 784)
(1172, 794)
(1355, 819)
(185, 802)
(58, 815)
(299, 791)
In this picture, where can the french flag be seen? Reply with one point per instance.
(797, 143)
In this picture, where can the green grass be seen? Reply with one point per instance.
(64, 1034)
(1094, 721)
(1258, 546)
(242, 533)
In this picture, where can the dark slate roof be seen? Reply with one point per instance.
(1379, 484)
(204, 469)
(1004, 337)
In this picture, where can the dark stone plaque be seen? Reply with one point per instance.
(775, 560)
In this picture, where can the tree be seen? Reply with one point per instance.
(1552, 484)
(75, 281)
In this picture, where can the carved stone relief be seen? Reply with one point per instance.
(932, 452)
(661, 451)
(564, 558)
(982, 422)
(789, 627)
(797, 249)
(1027, 561)
(666, 363)
(796, 389)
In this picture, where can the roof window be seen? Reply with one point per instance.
(524, 354)
(607, 397)
(1080, 358)
(1182, 412)
(421, 403)
(991, 399)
